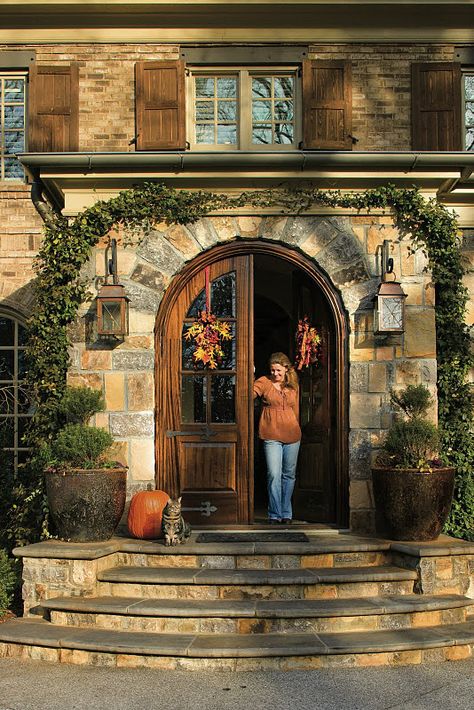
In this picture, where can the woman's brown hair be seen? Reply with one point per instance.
(291, 378)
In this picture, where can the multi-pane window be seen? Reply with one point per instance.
(244, 109)
(469, 111)
(15, 405)
(12, 124)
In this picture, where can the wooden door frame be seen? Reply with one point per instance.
(341, 375)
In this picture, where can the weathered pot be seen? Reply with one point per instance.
(412, 505)
(86, 504)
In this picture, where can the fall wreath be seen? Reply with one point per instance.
(308, 344)
(208, 333)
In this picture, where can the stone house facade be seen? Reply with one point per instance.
(94, 148)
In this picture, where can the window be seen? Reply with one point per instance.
(468, 94)
(12, 124)
(243, 109)
(15, 405)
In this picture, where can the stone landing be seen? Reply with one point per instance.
(335, 600)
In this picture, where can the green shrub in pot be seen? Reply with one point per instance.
(86, 488)
(412, 489)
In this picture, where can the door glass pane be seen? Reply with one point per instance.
(227, 361)
(7, 330)
(193, 399)
(223, 399)
(6, 364)
(198, 305)
(223, 296)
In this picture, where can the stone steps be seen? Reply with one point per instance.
(255, 616)
(298, 583)
(79, 645)
(245, 604)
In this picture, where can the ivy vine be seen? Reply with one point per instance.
(67, 244)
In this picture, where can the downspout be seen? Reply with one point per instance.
(43, 208)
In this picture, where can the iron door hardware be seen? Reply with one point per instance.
(203, 433)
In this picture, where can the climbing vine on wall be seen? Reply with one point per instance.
(67, 245)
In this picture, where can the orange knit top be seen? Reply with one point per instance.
(279, 418)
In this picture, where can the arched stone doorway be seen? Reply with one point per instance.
(205, 420)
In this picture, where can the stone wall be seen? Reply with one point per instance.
(345, 248)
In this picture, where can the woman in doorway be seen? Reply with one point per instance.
(281, 434)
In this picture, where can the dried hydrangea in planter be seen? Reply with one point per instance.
(86, 489)
(412, 489)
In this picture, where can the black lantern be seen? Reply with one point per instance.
(112, 302)
(389, 311)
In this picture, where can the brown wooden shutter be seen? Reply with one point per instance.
(436, 106)
(327, 105)
(53, 124)
(160, 105)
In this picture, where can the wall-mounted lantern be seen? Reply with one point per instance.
(112, 301)
(389, 302)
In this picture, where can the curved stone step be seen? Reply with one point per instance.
(133, 606)
(298, 583)
(26, 632)
(212, 576)
(254, 616)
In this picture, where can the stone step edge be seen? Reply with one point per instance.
(218, 608)
(211, 576)
(337, 544)
(43, 633)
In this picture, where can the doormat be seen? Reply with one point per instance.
(253, 537)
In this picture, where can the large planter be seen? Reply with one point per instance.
(411, 505)
(86, 504)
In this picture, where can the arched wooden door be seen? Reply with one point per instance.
(204, 418)
(203, 447)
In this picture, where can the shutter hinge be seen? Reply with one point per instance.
(188, 145)
(187, 71)
(300, 72)
(300, 145)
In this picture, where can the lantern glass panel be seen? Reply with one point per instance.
(391, 313)
(111, 317)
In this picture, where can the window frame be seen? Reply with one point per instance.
(12, 74)
(244, 106)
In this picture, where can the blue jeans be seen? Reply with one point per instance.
(281, 473)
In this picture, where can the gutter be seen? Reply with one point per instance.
(281, 161)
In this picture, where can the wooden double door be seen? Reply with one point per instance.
(205, 417)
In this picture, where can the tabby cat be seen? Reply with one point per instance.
(175, 529)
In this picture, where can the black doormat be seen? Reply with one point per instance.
(253, 537)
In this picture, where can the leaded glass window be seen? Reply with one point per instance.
(12, 124)
(469, 111)
(16, 407)
(244, 109)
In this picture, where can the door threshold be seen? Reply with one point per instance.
(313, 528)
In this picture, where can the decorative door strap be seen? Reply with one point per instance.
(203, 433)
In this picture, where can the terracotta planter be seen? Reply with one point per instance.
(412, 505)
(86, 504)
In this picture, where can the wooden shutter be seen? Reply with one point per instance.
(327, 105)
(53, 124)
(436, 106)
(160, 105)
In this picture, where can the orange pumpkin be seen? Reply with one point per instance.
(145, 513)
